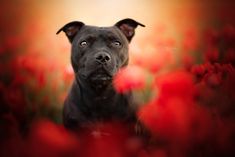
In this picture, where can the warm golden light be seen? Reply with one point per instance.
(181, 73)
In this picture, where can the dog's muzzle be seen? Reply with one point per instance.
(103, 67)
(102, 58)
(100, 78)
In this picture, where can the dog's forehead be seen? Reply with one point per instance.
(100, 31)
(88, 28)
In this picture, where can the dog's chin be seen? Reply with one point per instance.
(100, 80)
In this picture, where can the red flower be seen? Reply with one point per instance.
(230, 56)
(177, 121)
(15, 100)
(211, 37)
(68, 74)
(148, 115)
(129, 78)
(228, 35)
(213, 74)
(212, 55)
(213, 79)
(198, 70)
(188, 61)
(168, 121)
(153, 58)
(175, 84)
(174, 115)
(190, 41)
(108, 139)
(26, 63)
(48, 139)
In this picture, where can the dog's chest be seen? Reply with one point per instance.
(103, 108)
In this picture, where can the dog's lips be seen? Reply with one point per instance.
(100, 79)
(100, 75)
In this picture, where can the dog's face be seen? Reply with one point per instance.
(99, 52)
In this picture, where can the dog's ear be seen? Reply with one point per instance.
(127, 26)
(71, 29)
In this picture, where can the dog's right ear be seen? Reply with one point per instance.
(71, 29)
(128, 26)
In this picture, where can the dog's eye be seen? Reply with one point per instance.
(117, 43)
(83, 44)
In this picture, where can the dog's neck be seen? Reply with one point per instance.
(103, 105)
(95, 90)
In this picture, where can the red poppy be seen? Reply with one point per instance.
(211, 37)
(169, 121)
(175, 84)
(174, 115)
(107, 139)
(228, 34)
(190, 41)
(68, 74)
(230, 56)
(16, 101)
(49, 139)
(178, 122)
(188, 61)
(152, 58)
(213, 79)
(198, 70)
(212, 55)
(129, 78)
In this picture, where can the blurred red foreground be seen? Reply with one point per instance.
(186, 101)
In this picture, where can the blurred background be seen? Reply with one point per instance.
(35, 71)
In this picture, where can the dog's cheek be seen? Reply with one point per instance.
(86, 65)
(115, 65)
(124, 58)
(74, 63)
(124, 55)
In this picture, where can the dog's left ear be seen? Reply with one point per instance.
(71, 29)
(127, 26)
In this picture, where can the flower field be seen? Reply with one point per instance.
(184, 86)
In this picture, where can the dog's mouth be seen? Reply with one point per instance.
(100, 78)
(100, 74)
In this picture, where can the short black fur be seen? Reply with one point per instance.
(97, 55)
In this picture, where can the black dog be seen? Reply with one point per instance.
(97, 54)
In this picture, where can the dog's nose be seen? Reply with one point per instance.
(103, 57)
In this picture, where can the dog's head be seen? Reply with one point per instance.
(98, 52)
